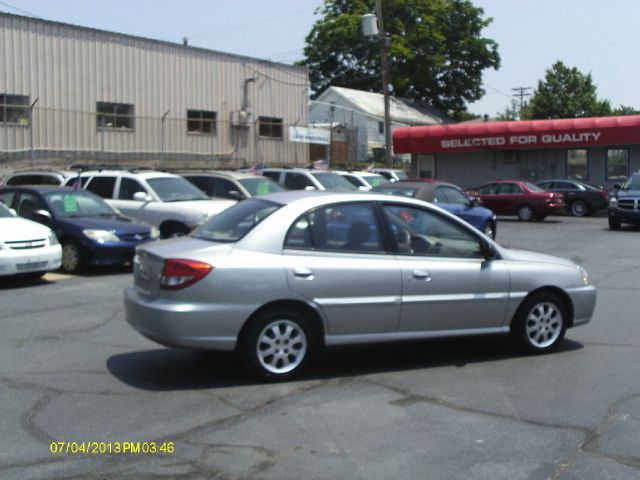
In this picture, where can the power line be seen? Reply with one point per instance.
(521, 92)
(19, 10)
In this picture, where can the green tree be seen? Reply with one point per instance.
(437, 54)
(566, 93)
(626, 110)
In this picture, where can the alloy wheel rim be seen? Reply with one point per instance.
(526, 213)
(70, 257)
(281, 346)
(579, 209)
(544, 324)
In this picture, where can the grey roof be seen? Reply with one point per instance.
(373, 104)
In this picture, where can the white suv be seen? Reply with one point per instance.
(167, 201)
(304, 179)
(363, 180)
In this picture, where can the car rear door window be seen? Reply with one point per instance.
(348, 227)
(102, 186)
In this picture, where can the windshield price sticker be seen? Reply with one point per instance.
(70, 204)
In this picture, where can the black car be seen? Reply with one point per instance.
(582, 198)
(624, 206)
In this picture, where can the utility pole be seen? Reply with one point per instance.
(385, 43)
(521, 92)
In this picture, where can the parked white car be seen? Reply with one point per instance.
(164, 200)
(363, 180)
(392, 174)
(26, 248)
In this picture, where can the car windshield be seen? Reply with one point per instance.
(394, 190)
(175, 189)
(632, 183)
(534, 188)
(332, 181)
(76, 203)
(234, 223)
(260, 186)
(4, 211)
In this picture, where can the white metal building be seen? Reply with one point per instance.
(70, 93)
(364, 112)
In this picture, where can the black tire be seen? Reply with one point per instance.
(579, 208)
(74, 257)
(290, 338)
(525, 213)
(540, 323)
(173, 230)
(614, 223)
(490, 229)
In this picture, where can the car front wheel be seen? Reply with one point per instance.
(490, 230)
(73, 256)
(540, 323)
(277, 344)
(614, 223)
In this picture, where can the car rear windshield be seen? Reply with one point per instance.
(332, 181)
(175, 189)
(260, 186)
(235, 222)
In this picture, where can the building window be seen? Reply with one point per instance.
(114, 115)
(617, 163)
(14, 109)
(578, 163)
(380, 128)
(201, 121)
(270, 127)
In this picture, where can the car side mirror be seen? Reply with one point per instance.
(488, 250)
(141, 197)
(474, 202)
(309, 188)
(41, 215)
(235, 195)
(617, 186)
(362, 188)
(13, 212)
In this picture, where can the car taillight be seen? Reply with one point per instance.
(179, 273)
(604, 195)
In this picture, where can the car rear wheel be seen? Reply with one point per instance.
(525, 213)
(579, 208)
(540, 323)
(277, 344)
(74, 258)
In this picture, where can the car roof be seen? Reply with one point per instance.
(66, 173)
(40, 188)
(135, 173)
(219, 173)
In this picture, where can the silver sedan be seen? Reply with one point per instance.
(280, 276)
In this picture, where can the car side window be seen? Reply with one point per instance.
(274, 175)
(296, 181)
(28, 203)
(129, 186)
(349, 227)
(421, 232)
(455, 196)
(102, 186)
(439, 196)
(7, 198)
(223, 187)
(491, 189)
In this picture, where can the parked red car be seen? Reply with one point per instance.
(524, 199)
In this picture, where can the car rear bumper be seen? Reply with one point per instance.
(181, 325)
(16, 262)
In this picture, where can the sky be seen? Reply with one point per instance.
(596, 36)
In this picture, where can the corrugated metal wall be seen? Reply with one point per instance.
(68, 69)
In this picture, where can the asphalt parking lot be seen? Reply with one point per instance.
(74, 371)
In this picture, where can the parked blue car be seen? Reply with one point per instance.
(90, 231)
(449, 197)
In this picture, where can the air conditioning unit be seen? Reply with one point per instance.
(240, 118)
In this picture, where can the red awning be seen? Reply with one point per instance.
(525, 134)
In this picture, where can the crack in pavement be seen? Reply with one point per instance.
(590, 444)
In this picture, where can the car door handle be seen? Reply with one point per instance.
(303, 272)
(422, 275)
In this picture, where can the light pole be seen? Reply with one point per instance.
(370, 29)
